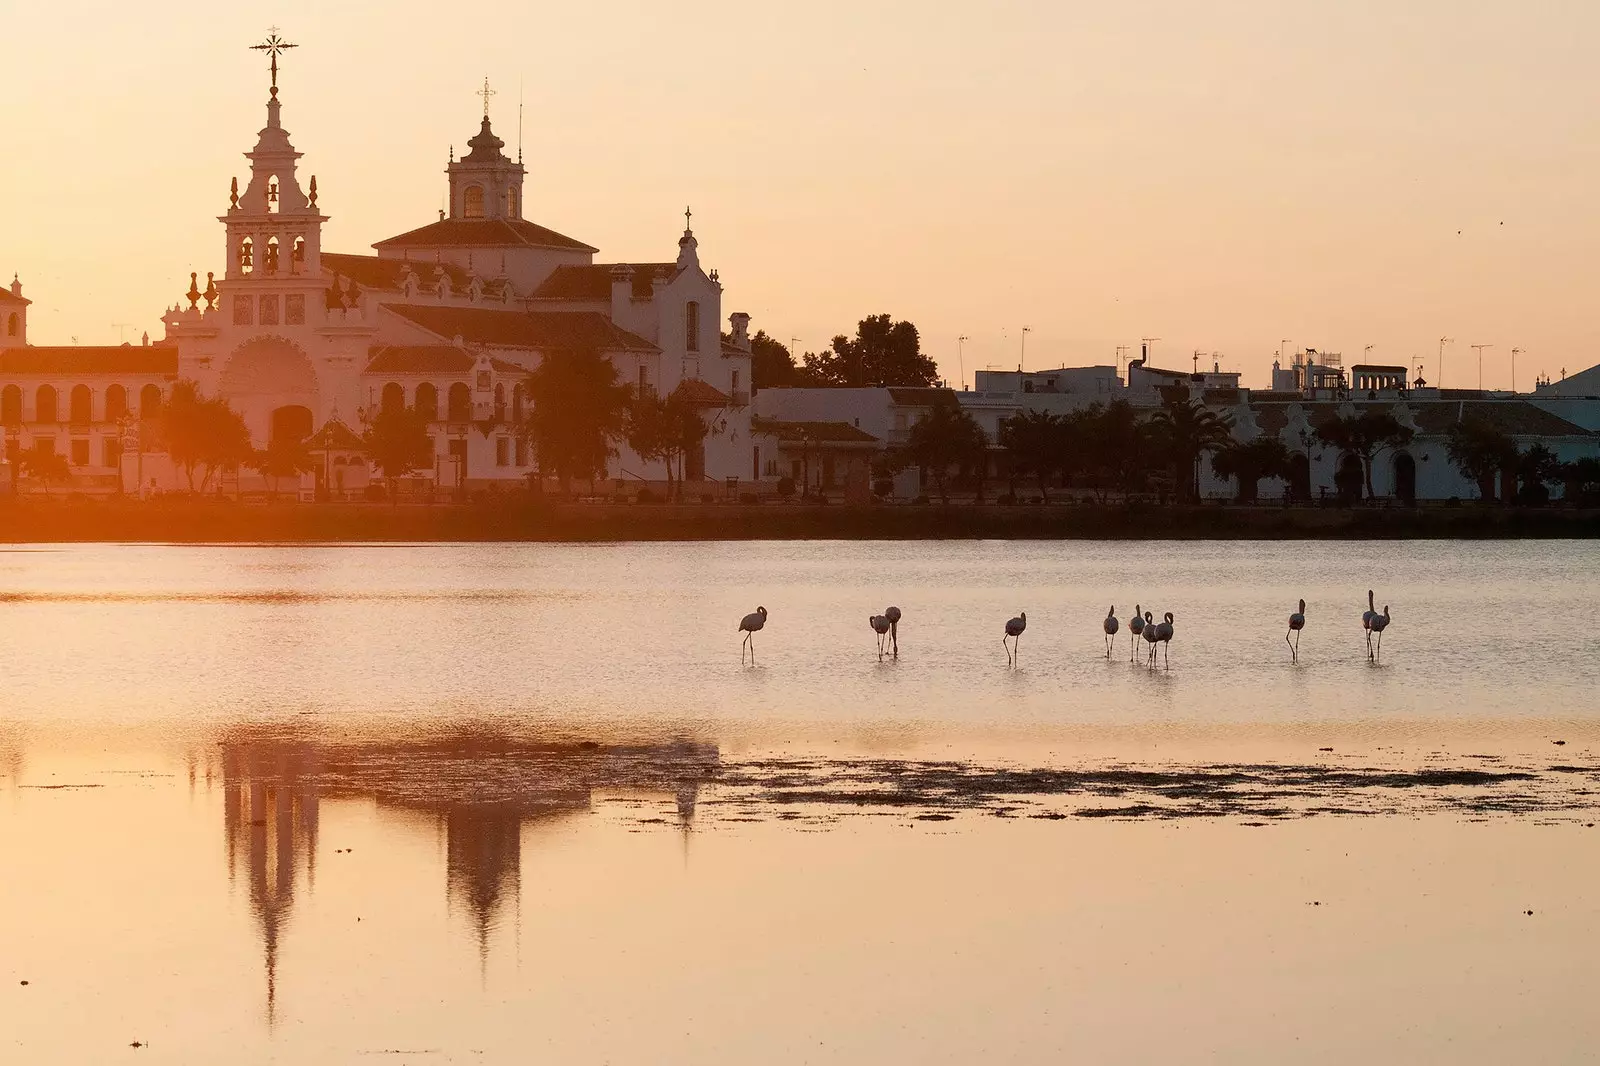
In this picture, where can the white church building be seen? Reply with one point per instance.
(448, 318)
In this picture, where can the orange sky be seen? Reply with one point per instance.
(1223, 175)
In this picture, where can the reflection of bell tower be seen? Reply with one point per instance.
(483, 855)
(484, 184)
(272, 811)
(273, 277)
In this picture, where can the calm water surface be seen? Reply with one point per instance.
(510, 803)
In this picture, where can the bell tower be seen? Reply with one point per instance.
(274, 257)
(484, 183)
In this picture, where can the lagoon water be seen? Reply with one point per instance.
(510, 803)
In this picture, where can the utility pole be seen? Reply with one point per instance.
(961, 358)
(1514, 353)
(1442, 342)
(1479, 349)
(1367, 352)
(121, 328)
(1024, 357)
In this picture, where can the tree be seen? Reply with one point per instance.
(284, 457)
(883, 352)
(397, 442)
(46, 464)
(578, 413)
(1249, 462)
(1365, 436)
(1582, 481)
(1035, 443)
(1537, 469)
(668, 430)
(202, 432)
(1480, 451)
(772, 365)
(943, 438)
(1116, 449)
(1185, 430)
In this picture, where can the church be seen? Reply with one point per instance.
(448, 318)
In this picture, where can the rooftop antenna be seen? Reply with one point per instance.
(1122, 351)
(1023, 358)
(519, 122)
(1514, 353)
(1479, 349)
(1367, 351)
(1442, 342)
(1283, 348)
(961, 359)
(121, 328)
(1147, 342)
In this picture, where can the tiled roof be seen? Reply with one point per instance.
(1433, 417)
(430, 359)
(816, 432)
(524, 329)
(921, 397)
(731, 349)
(593, 282)
(9, 297)
(334, 436)
(484, 233)
(697, 391)
(121, 359)
(372, 272)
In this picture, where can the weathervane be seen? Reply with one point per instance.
(274, 46)
(486, 92)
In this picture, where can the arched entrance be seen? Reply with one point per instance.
(1405, 478)
(264, 375)
(291, 423)
(1348, 480)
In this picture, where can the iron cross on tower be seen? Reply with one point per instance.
(274, 46)
(486, 92)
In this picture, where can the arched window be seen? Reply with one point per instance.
(394, 397)
(116, 402)
(516, 404)
(12, 325)
(472, 201)
(272, 255)
(691, 327)
(78, 406)
(460, 402)
(428, 401)
(150, 402)
(11, 406)
(44, 404)
(247, 256)
(483, 379)
(513, 203)
(272, 195)
(297, 256)
(500, 402)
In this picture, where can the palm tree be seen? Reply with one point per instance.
(1034, 443)
(48, 465)
(1364, 436)
(1249, 462)
(1186, 430)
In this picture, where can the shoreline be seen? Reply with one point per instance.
(188, 521)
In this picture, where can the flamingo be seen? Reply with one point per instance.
(1164, 635)
(1297, 622)
(1152, 633)
(893, 615)
(1110, 627)
(881, 626)
(1380, 622)
(1135, 627)
(750, 625)
(1366, 621)
(1014, 630)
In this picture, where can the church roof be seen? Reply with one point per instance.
(484, 233)
(593, 282)
(695, 390)
(430, 359)
(542, 330)
(389, 275)
(89, 359)
(8, 297)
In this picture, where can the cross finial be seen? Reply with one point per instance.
(274, 46)
(688, 218)
(486, 92)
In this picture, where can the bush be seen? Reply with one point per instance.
(786, 487)
(883, 487)
(1005, 500)
(749, 497)
(706, 497)
(921, 500)
(375, 492)
(647, 496)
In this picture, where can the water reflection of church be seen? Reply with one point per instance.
(480, 789)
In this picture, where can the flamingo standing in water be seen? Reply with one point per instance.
(881, 626)
(1297, 622)
(1110, 627)
(1164, 635)
(1380, 622)
(893, 615)
(750, 625)
(1366, 621)
(1135, 628)
(1152, 633)
(1014, 629)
